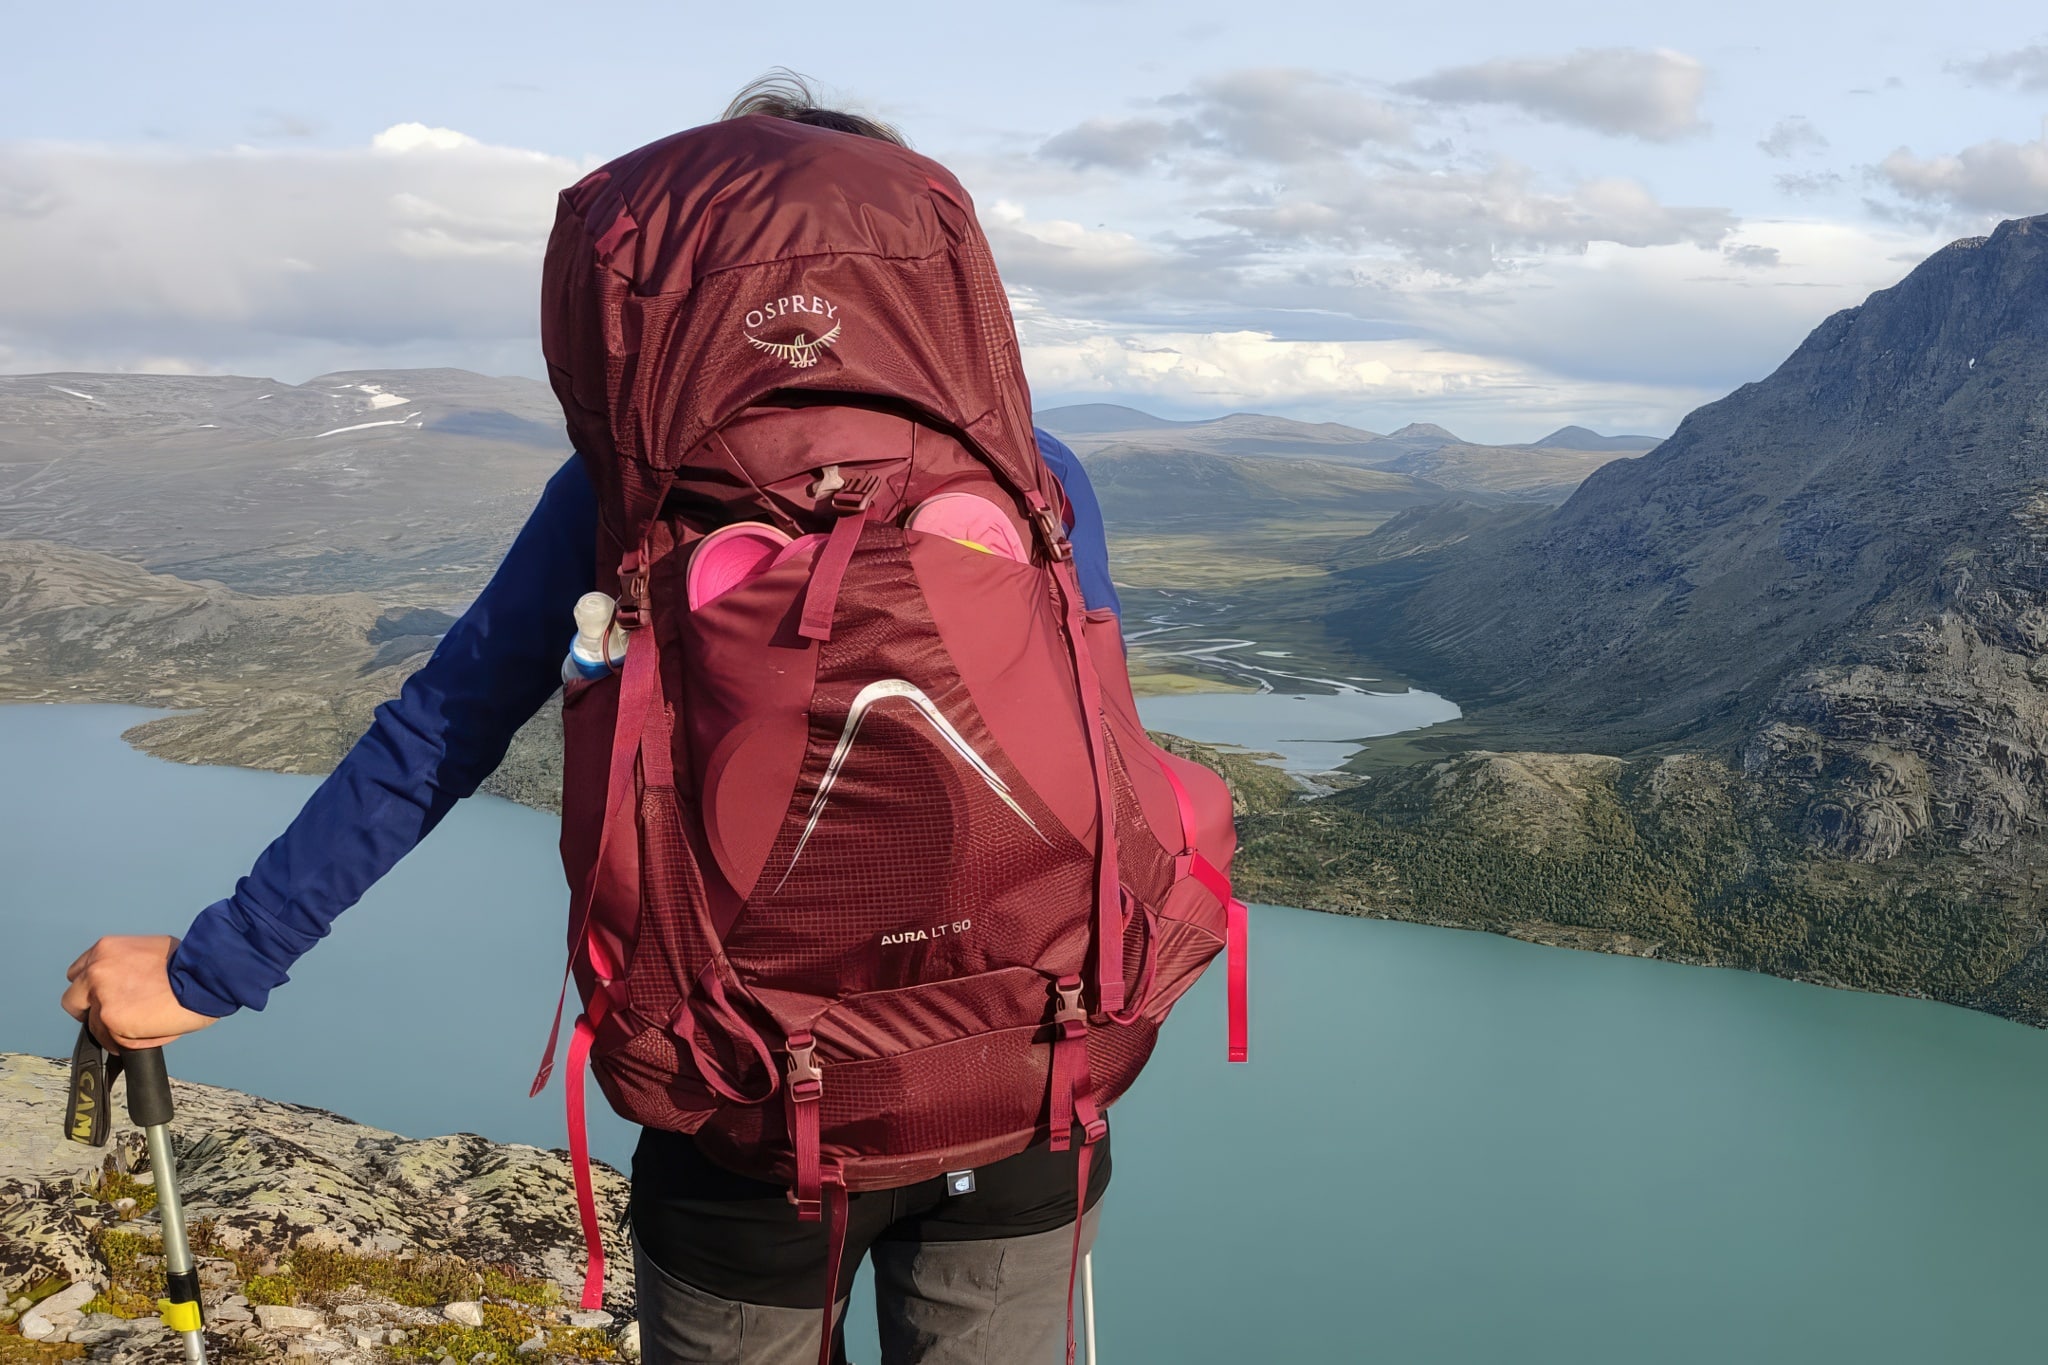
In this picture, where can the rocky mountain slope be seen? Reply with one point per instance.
(317, 1238)
(1815, 619)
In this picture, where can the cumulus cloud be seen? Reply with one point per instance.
(1119, 144)
(2025, 68)
(1465, 222)
(425, 243)
(1991, 177)
(1653, 95)
(1239, 368)
(1272, 114)
(1791, 136)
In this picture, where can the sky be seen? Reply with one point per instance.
(1496, 217)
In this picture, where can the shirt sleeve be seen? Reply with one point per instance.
(434, 744)
(1091, 543)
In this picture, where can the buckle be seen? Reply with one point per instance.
(1070, 1019)
(630, 613)
(805, 1079)
(1050, 531)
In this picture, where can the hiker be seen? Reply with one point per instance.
(879, 890)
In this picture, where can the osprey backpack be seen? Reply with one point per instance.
(875, 873)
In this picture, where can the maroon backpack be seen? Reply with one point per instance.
(875, 872)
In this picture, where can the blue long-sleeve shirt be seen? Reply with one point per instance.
(443, 735)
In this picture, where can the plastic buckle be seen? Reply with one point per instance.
(1071, 1020)
(1050, 531)
(805, 1079)
(631, 612)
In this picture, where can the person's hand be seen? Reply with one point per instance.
(121, 987)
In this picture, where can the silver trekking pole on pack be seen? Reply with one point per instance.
(87, 1119)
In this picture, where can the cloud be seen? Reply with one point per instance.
(1117, 144)
(1991, 177)
(1285, 116)
(1810, 182)
(1790, 136)
(1277, 115)
(1622, 91)
(1752, 255)
(425, 243)
(2025, 68)
(1466, 223)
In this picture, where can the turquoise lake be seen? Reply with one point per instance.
(1448, 1147)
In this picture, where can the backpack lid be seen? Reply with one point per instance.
(690, 279)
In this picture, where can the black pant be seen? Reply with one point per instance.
(740, 1239)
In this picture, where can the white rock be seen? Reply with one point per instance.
(533, 1345)
(465, 1313)
(596, 1317)
(366, 1336)
(279, 1318)
(629, 1341)
(60, 1310)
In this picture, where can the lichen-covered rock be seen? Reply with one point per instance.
(267, 1178)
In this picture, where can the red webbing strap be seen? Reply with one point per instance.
(639, 683)
(803, 1084)
(579, 1163)
(1236, 925)
(835, 1256)
(1073, 1098)
(1236, 971)
(828, 570)
(1109, 927)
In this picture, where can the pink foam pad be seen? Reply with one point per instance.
(972, 518)
(729, 557)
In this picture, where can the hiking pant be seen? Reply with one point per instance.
(725, 1273)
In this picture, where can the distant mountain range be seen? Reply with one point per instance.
(1547, 469)
(407, 482)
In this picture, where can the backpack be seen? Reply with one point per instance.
(874, 872)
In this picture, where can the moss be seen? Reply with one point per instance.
(120, 1185)
(497, 1342)
(15, 1349)
(135, 1272)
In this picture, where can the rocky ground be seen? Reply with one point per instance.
(318, 1239)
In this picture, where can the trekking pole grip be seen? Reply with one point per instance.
(149, 1087)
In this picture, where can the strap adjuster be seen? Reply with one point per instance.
(855, 494)
(1050, 531)
(631, 612)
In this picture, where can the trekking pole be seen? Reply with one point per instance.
(149, 1106)
(1088, 1301)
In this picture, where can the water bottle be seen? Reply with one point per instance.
(600, 645)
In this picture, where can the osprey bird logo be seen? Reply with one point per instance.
(801, 351)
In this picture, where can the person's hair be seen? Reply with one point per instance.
(784, 94)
